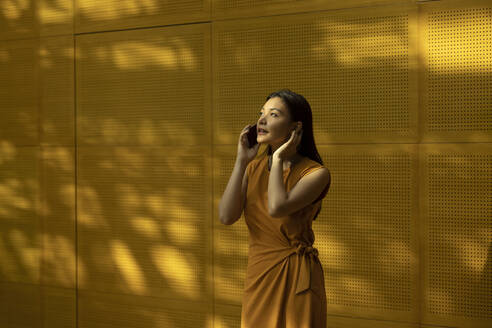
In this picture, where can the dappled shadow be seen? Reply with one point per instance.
(133, 198)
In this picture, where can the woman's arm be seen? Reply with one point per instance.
(232, 202)
(306, 190)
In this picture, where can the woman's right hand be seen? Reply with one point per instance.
(243, 151)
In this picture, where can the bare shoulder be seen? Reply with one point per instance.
(314, 167)
(319, 173)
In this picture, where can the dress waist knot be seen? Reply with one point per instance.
(309, 255)
(303, 249)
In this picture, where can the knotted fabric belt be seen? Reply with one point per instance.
(307, 259)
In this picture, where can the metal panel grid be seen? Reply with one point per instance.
(456, 212)
(357, 67)
(456, 79)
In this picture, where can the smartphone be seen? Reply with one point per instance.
(252, 136)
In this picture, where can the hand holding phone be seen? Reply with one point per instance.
(247, 146)
(252, 135)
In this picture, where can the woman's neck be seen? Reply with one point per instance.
(289, 162)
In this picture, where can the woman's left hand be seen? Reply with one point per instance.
(289, 148)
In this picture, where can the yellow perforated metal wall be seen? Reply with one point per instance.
(144, 87)
(368, 238)
(19, 92)
(456, 181)
(457, 79)
(141, 216)
(94, 15)
(119, 123)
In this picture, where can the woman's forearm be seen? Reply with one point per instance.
(276, 188)
(230, 206)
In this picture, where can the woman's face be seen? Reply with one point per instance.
(275, 118)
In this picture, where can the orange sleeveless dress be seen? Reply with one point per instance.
(284, 284)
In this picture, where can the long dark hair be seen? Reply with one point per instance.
(299, 110)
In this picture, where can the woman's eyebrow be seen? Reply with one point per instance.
(273, 108)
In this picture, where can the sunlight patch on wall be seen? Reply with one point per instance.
(155, 204)
(129, 267)
(59, 257)
(472, 252)
(25, 252)
(7, 151)
(128, 55)
(146, 226)
(114, 9)
(67, 195)
(334, 253)
(90, 212)
(369, 40)
(45, 58)
(54, 11)
(183, 233)
(176, 268)
(10, 193)
(60, 159)
(12, 9)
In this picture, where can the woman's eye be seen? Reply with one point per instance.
(262, 113)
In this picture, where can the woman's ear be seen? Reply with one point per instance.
(296, 124)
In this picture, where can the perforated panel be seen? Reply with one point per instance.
(144, 213)
(366, 231)
(58, 217)
(20, 241)
(335, 321)
(457, 213)
(102, 311)
(143, 221)
(355, 67)
(230, 241)
(59, 307)
(55, 17)
(144, 87)
(19, 96)
(227, 316)
(57, 90)
(243, 8)
(17, 20)
(31, 19)
(20, 305)
(458, 81)
(94, 15)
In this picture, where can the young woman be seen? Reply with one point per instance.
(280, 193)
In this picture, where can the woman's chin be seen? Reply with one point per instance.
(261, 139)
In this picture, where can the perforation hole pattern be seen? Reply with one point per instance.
(137, 189)
(459, 70)
(459, 234)
(365, 79)
(364, 233)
